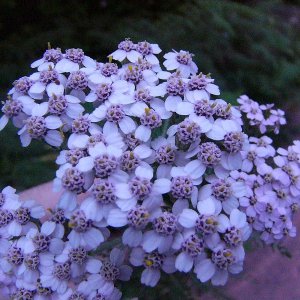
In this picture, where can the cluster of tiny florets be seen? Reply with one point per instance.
(152, 162)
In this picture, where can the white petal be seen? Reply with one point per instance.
(3, 121)
(150, 241)
(205, 270)
(185, 108)
(161, 186)
(132, 237)
(37, 63)
(94, 238)
(138, 109)
(93, 266)
(97, 150)
(150, 277)
(184, 262)
(37, 88)
(66, 65)
(143, 133)
(195, 168)
(53, 122)
(220, 277)
(39, 109)
(144, 172)
(216, 133)
(85, 164)
(117, 218)
(55, 89)
(237, 218)
(188, 218)
(25, 139)
(206, 207)
(56, 246)
(127, 125)
(172, 103)
(54, 138)
(48, 227)
(142, 151)
(223, 223)
(213, 89)
(77, 141)
(133, 56)
(122, 191)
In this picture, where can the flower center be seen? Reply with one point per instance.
(78, 255)
(129, 161)
(62, 271)
(79, 222)
(193, 245)
(75, 55)
(223, 258)
(73, 180)
(165, 155)
(138, 217)
(109, 271)
(115, 113)
(221, 189)
(188, 132)
(57, 104)
(77, 80)
(81, 125)
(36, 127)
(103, 191)
(140, 187)
(105, 165)
(166, 224)
(182, 187)
(42, 242)
(209, 154)
(153, 260)
(151, 119)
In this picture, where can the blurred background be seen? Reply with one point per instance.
(250, 47)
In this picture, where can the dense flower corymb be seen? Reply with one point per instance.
(154, 171)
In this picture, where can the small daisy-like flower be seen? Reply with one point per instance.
(23, 216)
(225, 193)
(12, 109)
(116, 114)
(222, 261)
(72, 60)
(153, 263)
(103, 160)
(83, 233)
(191, 248)
(50, 58)
(39, 127)
(148, 50)
(115, 93)
(136, 218)
(126, 49)
(180, 61)
(200, 87)
(140, 188)
(150, 119)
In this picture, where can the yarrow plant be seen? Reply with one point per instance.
(169, 177)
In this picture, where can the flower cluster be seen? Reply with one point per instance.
(158, 159)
